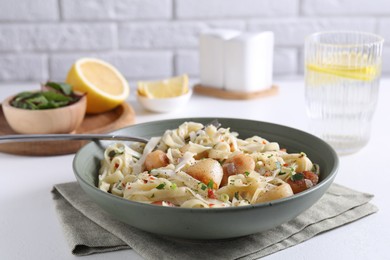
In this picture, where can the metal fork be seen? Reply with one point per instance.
(92, 137)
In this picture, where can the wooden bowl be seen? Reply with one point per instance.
(46, 121)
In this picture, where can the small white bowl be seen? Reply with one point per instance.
(164, 105)
(60, 120)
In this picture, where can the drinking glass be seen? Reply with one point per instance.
(342, 72)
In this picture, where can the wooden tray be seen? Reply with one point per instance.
(119, 117)
(221, 93)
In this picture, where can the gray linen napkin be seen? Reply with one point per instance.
(88, 229)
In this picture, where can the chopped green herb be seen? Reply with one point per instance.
(211, 184)
(236, 195)
(316, 169)
(114, 153)
(173, 186)
(152, 196)
(247, 173)
(224, 197)
(281, 173)
(203, 187)
(269, 156)
(298, 176)
(161, 186)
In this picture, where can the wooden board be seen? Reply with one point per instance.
(221, 93)
(119, 117)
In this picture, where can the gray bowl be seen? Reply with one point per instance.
(217, 223)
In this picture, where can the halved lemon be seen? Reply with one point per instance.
(105, 86)
(170, 87)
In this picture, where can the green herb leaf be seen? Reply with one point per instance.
(56, 95)
(161, 186)
(316, 168)
(298, 176)
(236, 195)
(53, 96)
(24, 95)
(247, 173)
(203, 187)
(114, 153)
(62, 87)
(224, 197)
(210, 185)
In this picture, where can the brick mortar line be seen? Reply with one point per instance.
(173, 10)
(110, 51)
(300, 8)
(60, 10)
(200, 20)
(193, 19)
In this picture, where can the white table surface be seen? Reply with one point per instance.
(29, 228)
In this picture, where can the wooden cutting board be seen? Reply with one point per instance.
(224, 94)
(119, 117)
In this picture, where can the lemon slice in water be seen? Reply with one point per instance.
(347, 65)
(366, 73)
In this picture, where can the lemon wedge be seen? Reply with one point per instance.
(171, 87)
(105, 86)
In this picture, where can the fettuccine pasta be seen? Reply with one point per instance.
(197, 166)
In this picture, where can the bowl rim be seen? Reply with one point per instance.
(6, 103)
(327, 181)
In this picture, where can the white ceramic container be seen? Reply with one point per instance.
(211, 56)
(248, 62)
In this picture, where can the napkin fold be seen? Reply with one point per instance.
(88, 229)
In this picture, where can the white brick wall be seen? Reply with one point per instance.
(134, 65)
(92, 10)
(292, 31)
(27, 10)
(150, 39)
(57, 37)
(190, 9)
(23, 67)
(345, 7)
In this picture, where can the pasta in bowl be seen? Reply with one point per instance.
(200, 166)
(242, 178)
